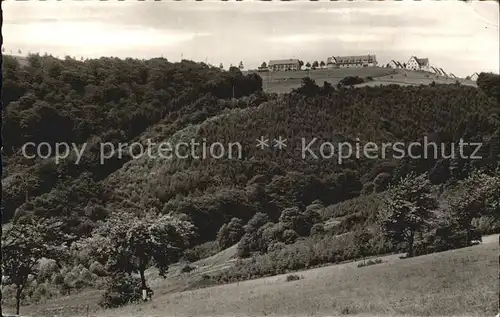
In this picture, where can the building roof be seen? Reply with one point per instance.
(442, 70)
(398, 64)
(283, 62)
(421, 61)
(436, 70)
(351, 59)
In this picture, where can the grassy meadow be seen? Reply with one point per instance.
(283, 82)
(462, 282)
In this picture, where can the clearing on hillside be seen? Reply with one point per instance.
(461, 282)
(283, 82)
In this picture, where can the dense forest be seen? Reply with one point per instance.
(111, 221)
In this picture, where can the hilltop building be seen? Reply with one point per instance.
(263, 69)
(415, 63)
(435, 70)
(438, 71)
(395, 64)
(351, 61)
(283, 65)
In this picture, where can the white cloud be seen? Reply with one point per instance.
(458, 35)
(82, 34)
(299, 39)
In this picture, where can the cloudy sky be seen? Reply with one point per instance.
(460, 37)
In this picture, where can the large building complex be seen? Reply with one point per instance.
(351, 61)
(284, 65)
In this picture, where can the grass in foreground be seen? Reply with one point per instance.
(455, 283)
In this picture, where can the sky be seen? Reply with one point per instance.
(460, 37)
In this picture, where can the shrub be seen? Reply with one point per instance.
(290, 236)
(300, 222)
(57, 279)
(381, 182)
(41, 291)
(308, 87)
(293, 277)
(79, 284)
(317, 229)
(47, 269)
(370, 262)
(368, 188)
(351, 80)
(121, 290)
(252, 239)
(201, 251)
(276, 246)
(304, 253)
(187, 268)
(97, 269)
(86, 276)
(487, 224)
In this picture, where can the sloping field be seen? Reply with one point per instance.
(79, 304)
(327, 73)
(461, 282)
(283, 82)
(214, 263)
(407, 78)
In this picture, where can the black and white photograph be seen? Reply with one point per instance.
(250, 158)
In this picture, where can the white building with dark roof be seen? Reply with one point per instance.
(415, 63)
(351, 61)
(283, 65)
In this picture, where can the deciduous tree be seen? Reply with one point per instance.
(132, 244)
(410, 205)
(23, 246)
(230, 233)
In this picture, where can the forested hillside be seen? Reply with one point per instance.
(129, 214)
(98, 101)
